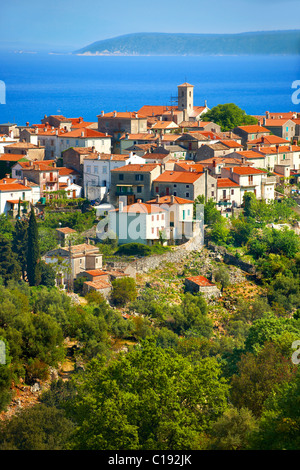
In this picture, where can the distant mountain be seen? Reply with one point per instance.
(264, 42)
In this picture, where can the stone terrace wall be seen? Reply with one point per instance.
(175, 255)
(228, 258)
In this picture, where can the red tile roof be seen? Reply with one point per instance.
(141, 208)
(200, 281)
(85, 133)
(188, 177)
(254, 128)
(143, 167)
(170, 200)
(9, 187)
(226, 183)
(246, 170)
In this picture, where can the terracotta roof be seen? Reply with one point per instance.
(9, 187)
(10, 157)
(178, 177)
(170, 200)
(85, 133)
(148, 110)
(135, 167)
(66, 230)
(98, 284)
(226, 183)
(253, 128)
(97, 272)
(269, 139)
(249, 154)
(140, 208)
(246, 170)
(186, 84)
(145, 136)
(197, 167)
(67, 171)
(165, 125)
(230, 143)
(106, 156)
(22, 145)
(200, 281)
(276, 122)
(122, 115)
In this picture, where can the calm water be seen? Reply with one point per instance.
(38, 84)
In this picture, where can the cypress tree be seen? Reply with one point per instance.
(20, 243)
(9, 266)
(33, 252)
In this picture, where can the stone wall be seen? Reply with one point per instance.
(229, 258)
(175, 255)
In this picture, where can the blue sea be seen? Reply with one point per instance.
(39, 83)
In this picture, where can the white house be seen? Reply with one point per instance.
(11, 193)
(85, 137)
(251, 179)
(180, 223)
(138, 222)
(6, 140)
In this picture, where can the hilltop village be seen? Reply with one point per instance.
(152, 256)
(154, 163)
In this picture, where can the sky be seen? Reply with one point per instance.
(67, 25)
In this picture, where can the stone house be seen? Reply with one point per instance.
(200, 284)
(69, 261)
(134, 181)
(185, 184)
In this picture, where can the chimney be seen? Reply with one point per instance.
(139, 201)
(214, 163)
(115, 114)
(82, 133)
(172, 199)
(7, 175)
(157, 198)
(136, 115)
(267, 114)
(25, 181)
(93, 149)
(102, 113)
(27, 124)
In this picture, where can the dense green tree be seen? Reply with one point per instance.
(9, 266)
(37, 428)
(33, 252)
(47, 273)
(233, 430)
(228, 116)
(279, 426)
(148, 398)
(123, 291)
(190, 317)
(20, 244)
(257, 376)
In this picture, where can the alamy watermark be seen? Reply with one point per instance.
(2, 92)
(165, 221)
(2, 352)
(296, 354)
(296, 94)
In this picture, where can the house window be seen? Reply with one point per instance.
(157, 217)
(187, 194)
(187, 186)
(152, 230)
(121, 177)
(104, 170)
(156, 189)
(212, 194)
(88, 169)
(232, 192)
(250, 179)
(139, 177)
(174, 193)
(95, 170)
(152, 218)
(139, 189)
